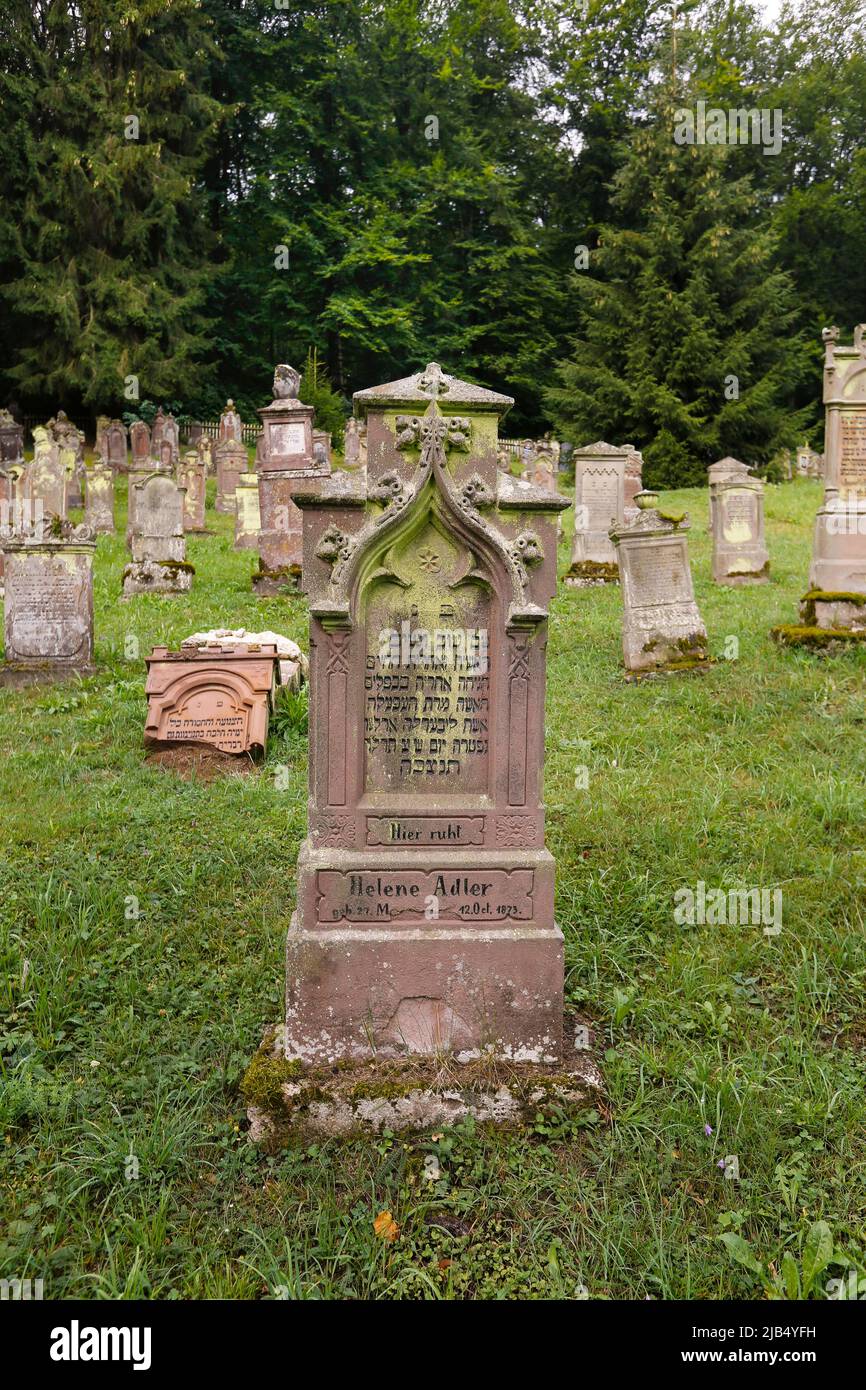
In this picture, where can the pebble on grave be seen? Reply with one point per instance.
(833, 611)
(99, 498)
(662, 627)
(248, 517)
(424, 938)
(216, 695)
(285, 462)
(159, 564)
(601, 472)
(740, 556)
(48, 600)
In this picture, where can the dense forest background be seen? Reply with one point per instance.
(390, 182)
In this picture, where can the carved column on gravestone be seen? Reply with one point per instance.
(48, 598)
(284, 462)
(662, 627)
(740, 556)
(425, 891)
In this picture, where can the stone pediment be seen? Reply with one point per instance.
(429, 385)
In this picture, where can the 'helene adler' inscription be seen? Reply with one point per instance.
(494, 894)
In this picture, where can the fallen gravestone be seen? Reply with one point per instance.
(216, 695)
(424, 928)
(740, 556)
(294, 667)
(662, 628)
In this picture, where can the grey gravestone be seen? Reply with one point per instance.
(231, 462)
(45, 481)
(248, 520)
(159, 564)
(49, 599)
(740, 556)
(99, 498)
(11, 440)
(662, 628)
(599, 505)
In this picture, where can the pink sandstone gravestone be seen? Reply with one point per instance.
(284, 463)
(600, 472)
(231, 463)
(211, 694)
(425, 890)
(230, 426)
(740, 556)
(191, 475)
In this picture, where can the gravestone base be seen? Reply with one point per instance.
(740, 579)
(268, 583)
(832, 611)
(157, 577)
(16, 675)
(680, 649)
(590, 574)
(289, 1102)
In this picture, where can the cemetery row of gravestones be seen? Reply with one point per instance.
(424, 922)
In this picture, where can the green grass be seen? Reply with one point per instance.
(123, 1037)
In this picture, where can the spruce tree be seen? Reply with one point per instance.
(685, 348)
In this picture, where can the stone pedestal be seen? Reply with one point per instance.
(425, 892)
(740, 556)
(48, 601)
(662, 628)
(839, 554)
(599, 505)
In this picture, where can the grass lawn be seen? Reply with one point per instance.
(125, 1168)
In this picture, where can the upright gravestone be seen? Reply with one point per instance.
(49, 599)
(11, 440)
(205, 452)
(116, 444)
(839, 553)
(141, 467)
(599, 505)
(171, 435)
(662, 628)
(44, 482)
(100, 442)
(425, 891)
(191, 475)
(248, 519)
(740, 556)
(139, 443)
(231, 463)
(322, 447)
(230, 427)
(284, 462)
(99, 498)
(159, 564)
(351, 444)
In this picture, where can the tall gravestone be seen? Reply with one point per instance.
(248, 519)
(839, 552)
(230, 426)
(351, 444)
(99, 498)
(139, 443)
(662, 627)
(740, 556)
(116, 443)
(231, 463)
(425, 891)
(192, 478)
(159, 564)
(599, 504)
(48, 599)
(44, 480)
(284, 463)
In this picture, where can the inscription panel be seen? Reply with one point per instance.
(658, 575)
(852, 449)
(287, 438)
(739, 515)
(496, 895)
(47, 609)
(600, 495)
(425, 830)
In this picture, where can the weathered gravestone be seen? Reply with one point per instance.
(284, 463)
(740, 556)
(231, 463)
(192, 476)
(48, 600)
(838, 574)
(322, 447)
(11, 440)
(662, 628)
(351, 444)
(425, 891)
(248, 519)
(230, 427)
(44, 481)
(99, 498)
(159, 564)
(139, 443)
(140, 469)
(216, 695)
(599, 504)
(165, 430)
(205, 452)
(116, 445)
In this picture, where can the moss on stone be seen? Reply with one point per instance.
(815, 638)
(592, 569)
(674, 518)
(265, 1077)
